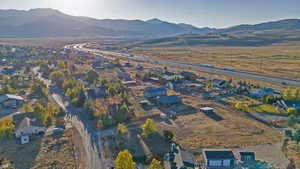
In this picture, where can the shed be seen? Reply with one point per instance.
(207, 109)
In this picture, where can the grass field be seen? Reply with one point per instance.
(280, 60)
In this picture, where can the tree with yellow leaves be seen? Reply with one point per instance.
(122, 129)
(149, 128)
(6, 128)
(155, 164)
(291, 110)
(124, 160)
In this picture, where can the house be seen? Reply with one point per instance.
(292, 104)
(179, 159)
(155, 92)
(130, 83)
(139, 67)
(97, 92)
(158, 70)
(27, 125)
(170, 85)
(168, 100)
(5, 164)
(220, 83)
(11, 101)
(124, 76)
(219, 159)
(188, 75)
(247, 156)
(260, 93)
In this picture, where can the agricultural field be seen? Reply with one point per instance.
(278, 60)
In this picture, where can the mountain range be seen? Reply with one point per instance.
(45, 22)
(282, 31)
(53, 23)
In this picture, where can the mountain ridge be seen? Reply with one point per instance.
(14, 21)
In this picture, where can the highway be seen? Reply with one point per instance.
(281, 81)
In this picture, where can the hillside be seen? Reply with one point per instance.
(242, 35)
(53, 23)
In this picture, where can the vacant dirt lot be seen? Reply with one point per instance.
(41, 153)
(22, 156)
(226, 128)
(56, 152)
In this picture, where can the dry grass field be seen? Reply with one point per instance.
(228, 128)
(54, 151)
(279, 60)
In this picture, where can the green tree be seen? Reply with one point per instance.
(124, 160)
(58, 78)
(39, 88)
(292, 120)
(155, 164)
(39, 112)
(122, 113)
(297, 135)
(91, 76)
(149, 128)
(7, 89)
(3, 52)
(209, 84)
(168, 135)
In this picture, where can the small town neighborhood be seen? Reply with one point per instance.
(156, 115)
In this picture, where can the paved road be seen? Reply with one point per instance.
(281, 81)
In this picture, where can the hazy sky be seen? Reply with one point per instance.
(213, 13)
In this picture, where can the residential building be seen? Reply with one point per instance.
(27, 125)
(260, 93)
(247, 156)
(168, 100)
(11, 101)
(155, 92)
(179, 159)
(220, 83)
(219, 159)
(188, 75)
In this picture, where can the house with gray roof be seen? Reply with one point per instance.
(11, 101)
(27, 125)
(179, 159)
(219, 159)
